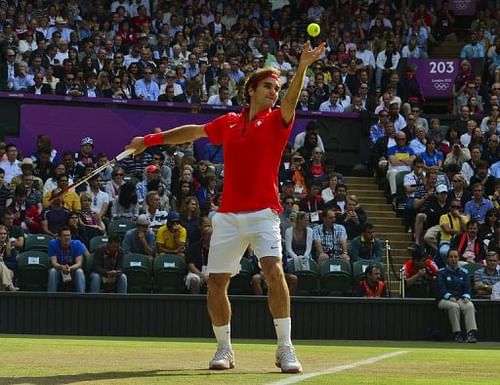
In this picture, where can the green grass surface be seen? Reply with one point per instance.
(126, 361)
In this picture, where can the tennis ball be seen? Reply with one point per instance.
(313, 29)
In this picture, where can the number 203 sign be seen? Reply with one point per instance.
(436, 76)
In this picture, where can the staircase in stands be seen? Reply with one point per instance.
(388, 226)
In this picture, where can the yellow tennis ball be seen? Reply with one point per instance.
(313, 29)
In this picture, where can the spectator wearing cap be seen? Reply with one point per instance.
(141, 239)
(26, 169)
(172, 237)
(152, 172)
(61, 28)
(11, 166)
(85, 155)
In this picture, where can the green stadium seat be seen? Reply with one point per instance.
(32, 270)
(97, 241)
(307, 279)
(240, 283)
(169, 271)
(335, 277)
(359, 267)
(37, 242)
(120, 226)
(471, 269)
(137, 267)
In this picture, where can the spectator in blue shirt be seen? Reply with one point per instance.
(432, 158)
(473, 50)
(478, 206)
(66, 256)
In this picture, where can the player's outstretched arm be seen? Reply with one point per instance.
(178, 135)
(289, 102)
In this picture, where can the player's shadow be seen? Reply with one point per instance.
(64, 379)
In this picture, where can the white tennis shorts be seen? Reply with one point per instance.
(234, 232)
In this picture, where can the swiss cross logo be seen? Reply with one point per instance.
(259, 123)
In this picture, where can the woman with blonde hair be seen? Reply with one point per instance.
(298, 240)
(102, 81)
(459, 190)
(8, 257)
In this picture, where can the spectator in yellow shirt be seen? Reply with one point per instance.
(71, 200)
(171, 238)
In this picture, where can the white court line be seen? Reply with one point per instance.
(336, 369)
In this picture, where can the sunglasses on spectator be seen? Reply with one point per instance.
(118, 174)
(456, 207)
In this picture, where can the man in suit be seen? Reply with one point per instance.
(8, 71)
(67, 86)
(39, 88)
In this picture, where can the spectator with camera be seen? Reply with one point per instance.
(330, 239)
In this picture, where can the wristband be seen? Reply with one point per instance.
(154, 139)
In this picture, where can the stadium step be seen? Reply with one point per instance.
(388, 226)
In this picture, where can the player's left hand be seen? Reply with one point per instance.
(310, 55)
(137, 144)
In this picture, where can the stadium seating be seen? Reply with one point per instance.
(169, 271)
(471, 269)
(120, 226)
(137, 267)
(307, 279)
(97, 241)
(37, 242)
(359, 267)
(335, 277)
(32, 270)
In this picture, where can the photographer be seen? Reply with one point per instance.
(420, 274)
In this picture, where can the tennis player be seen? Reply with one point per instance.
(253, 141)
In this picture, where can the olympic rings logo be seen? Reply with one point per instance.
(462, 5)
(441, 86)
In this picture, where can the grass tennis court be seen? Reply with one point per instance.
(127, 361)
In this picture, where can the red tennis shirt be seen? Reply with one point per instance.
(252, 155)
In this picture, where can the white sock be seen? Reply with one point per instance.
(283, 328)
(222, 335)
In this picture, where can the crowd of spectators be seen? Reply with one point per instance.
(202, 52)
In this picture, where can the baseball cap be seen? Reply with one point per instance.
(173, 216)
(143, 220)
(151, 168)
(87, 140)
(441, 188)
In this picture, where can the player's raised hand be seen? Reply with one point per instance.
(309, 54)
